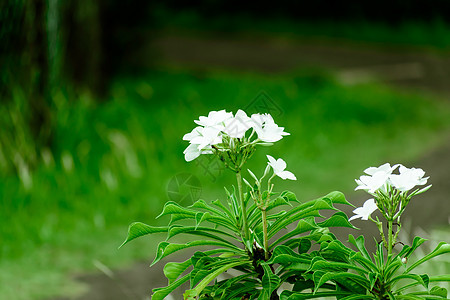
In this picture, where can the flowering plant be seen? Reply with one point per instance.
(349, 274)
(265, 240)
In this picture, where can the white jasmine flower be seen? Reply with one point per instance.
(237, 126)
(266, 128)
(365, 211)
(195, 133)
(408, 178)
(386, 168)
(279, 167)
(258, 120)
(192, 152)
(214, 118)
(373, 183)
(208, 136)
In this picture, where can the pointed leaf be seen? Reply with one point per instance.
(442, 248)
(173, 270)
(269, 281)
(161, 293)
(339, 219)
(164, 248)
(438, 291)
(191, 294)
(138, 229)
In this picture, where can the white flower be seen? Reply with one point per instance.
(192, 152)
(386, 168)
(207, 137)
(266, 128)
(372, 183)
(237, 126)
(195, 133)
(408, 178)
(279, 167)
(214, 118)
(365, 211)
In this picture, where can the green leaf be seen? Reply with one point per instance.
(303, 226)
(161, 293)
(408, 250)
(338, 198)
(201, 231)
(213, 211)
(284, 220)
(138, 229)
(206, 265)
(173, 208)
(358, 297)
(321, 264)
(438, 291)
(192, 293)
(392, 267)
(415, 277)
(339, 219)
(301, 285)
(442, 248)
(304, 245)
(173, 270)
(284, 255)
(288, 295)
(359, 244)
(289, 196)
(348, 279)
(164, 248)
(439, 278)
(269, 281)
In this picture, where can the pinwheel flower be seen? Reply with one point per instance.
(266, 128)
(221, 131)
(237, 126)
(365, 211)
(279, 167)
(408, 178)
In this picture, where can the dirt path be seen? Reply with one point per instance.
(352, 64)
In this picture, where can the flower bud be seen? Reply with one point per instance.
(404, 260)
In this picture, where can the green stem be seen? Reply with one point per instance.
(380, 228)
(246, 234)
(266, 240)
(390, 241)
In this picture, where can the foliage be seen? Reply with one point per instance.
(113, 147)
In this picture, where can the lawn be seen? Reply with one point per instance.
(112, 161)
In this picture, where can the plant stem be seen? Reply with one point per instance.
(390, 242)
(266, 240)
(246, 234)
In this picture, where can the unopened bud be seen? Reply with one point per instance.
(404, 260)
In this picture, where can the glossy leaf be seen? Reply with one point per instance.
(442, 248)
(161, 293)
(339, 219)
(165, 248)
(303, 226)
(196, 291)
(173, 270)
(138, 229)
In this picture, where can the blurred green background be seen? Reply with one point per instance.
(96, 96)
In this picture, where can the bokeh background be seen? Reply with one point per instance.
(96, 96)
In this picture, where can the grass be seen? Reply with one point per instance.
(111, 161)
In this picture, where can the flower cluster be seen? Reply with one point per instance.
(223, 131)
(390, 190)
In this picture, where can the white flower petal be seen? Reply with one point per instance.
(287, 175)
(365, 211)
(279, 167)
